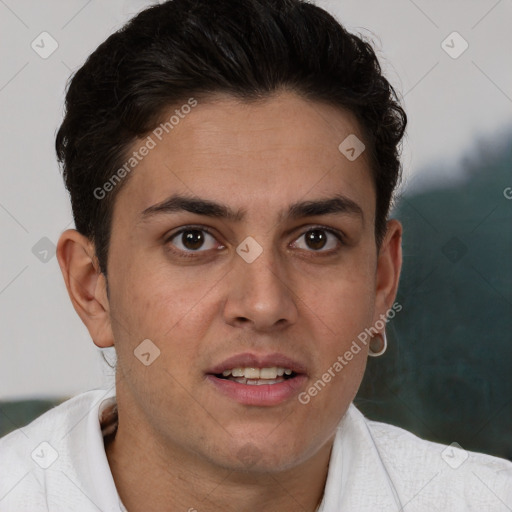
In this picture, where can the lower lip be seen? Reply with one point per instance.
(263, 395)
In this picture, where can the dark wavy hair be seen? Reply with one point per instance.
(195, 48)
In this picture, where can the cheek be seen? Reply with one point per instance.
(342, 300)
(340, 309)
(159, 303)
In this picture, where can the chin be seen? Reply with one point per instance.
(262, 457)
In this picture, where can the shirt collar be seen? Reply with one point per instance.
(357, 478)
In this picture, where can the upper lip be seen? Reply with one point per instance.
(248, 360)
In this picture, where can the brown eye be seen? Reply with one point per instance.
(316, 239)
(192, 240)
(319, 238)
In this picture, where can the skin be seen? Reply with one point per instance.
(179, 441)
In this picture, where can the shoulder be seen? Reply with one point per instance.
(45, 453)
(54, 423)
(397, 443)
(447, 471)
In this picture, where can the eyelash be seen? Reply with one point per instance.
(194, 254)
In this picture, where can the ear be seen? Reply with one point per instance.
(389, 264)
(86, 285)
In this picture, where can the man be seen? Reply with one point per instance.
(231, 166)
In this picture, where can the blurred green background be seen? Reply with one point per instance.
(447, 374)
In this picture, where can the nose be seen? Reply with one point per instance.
(260, 294)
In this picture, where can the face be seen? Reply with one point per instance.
(286, 281)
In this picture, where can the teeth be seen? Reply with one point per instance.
(256, 382)
(252, 373)
(259, 382)
(269, 373)
(257, 373)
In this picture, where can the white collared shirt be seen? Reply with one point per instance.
(58, 463)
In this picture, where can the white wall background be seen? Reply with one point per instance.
(45, 350)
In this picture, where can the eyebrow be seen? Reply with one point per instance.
(338, 204)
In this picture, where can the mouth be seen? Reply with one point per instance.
(258, 380)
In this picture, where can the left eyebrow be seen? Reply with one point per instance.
(338, 204)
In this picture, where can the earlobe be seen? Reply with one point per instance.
(86, 285)
(389, 265)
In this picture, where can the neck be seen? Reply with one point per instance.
(149, 478)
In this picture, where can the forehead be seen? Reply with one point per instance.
(265, 154)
